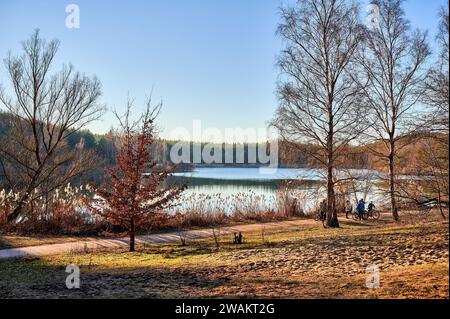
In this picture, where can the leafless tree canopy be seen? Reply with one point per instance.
(442, 36)
(433, 164)
(319, 101)
(392, 71)
(437, 82)
(45, 109)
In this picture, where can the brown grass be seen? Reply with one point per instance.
(303, 261)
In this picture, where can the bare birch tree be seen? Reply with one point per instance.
(433, 164)
(392, 70)
(46, 109)
(437, 82)
(318, 99)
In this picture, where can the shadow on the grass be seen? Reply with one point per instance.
(32, 278)
(356, 223)
(4, 244)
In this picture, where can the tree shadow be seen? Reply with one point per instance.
(4, 244)
(356, 223)
(32, 278)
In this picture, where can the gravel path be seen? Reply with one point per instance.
(94, 243)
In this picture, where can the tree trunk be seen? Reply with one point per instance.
(332, 220)
(394, 210)
(18, 210)
(440, 202)
(132, 235)
(31, 186)
(15, 213)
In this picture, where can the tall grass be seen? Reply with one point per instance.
(65, 213)
(62, 212)
(199, 210)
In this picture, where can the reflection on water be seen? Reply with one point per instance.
(252, 174)
(226, 187)
(232, 183)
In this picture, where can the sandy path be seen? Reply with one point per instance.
(92, 244)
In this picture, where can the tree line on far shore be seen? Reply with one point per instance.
(104, 147)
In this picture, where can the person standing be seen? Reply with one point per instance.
(348, 208)
(361, 208)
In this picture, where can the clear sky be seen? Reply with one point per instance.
(208, 60)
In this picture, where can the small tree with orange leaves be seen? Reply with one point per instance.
(135, 194)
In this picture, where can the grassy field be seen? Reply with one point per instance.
(295, 262)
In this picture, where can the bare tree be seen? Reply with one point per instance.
(431, 187)
(437, 81)
(182, 224)
(392, 70)
(318, 99)
(45, 110)
(438, 88)
(218, 219)
(432, 166)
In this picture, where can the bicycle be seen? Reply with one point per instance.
(356, 215)
(365, 215)
(373, 214)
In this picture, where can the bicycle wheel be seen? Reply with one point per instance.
(355, 216)
(375, 214)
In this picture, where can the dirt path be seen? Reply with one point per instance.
(93, 244)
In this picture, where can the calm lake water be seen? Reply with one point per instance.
(262, 183)
(232, 181)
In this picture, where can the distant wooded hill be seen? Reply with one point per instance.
(289, 154)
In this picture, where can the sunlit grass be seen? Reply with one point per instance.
(204, 250)
(425, 280)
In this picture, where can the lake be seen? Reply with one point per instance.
(230, 183)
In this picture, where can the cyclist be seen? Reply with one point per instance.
(360, 208)
(370, 207)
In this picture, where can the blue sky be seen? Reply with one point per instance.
(208, 60)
